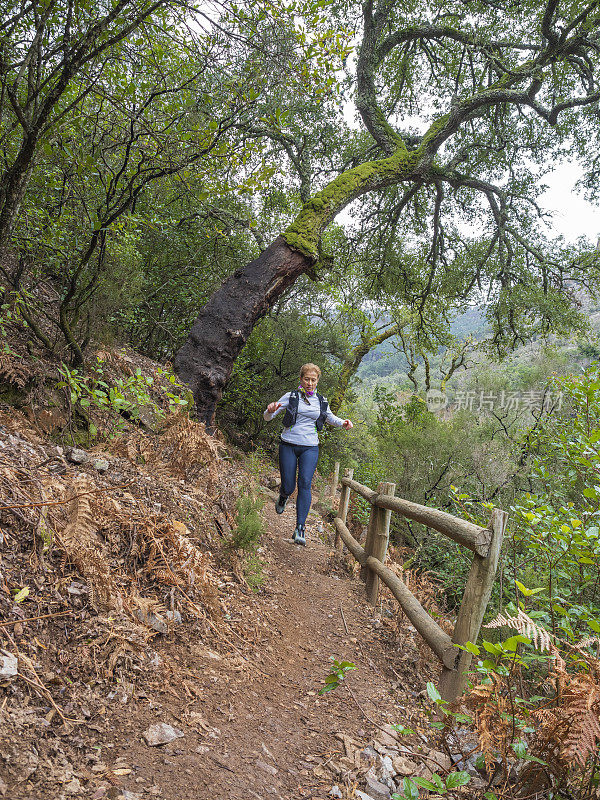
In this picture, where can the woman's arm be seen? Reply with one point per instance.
(337, 422)
(275, 408)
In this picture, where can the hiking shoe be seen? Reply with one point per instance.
(280, 504)
(299, 535)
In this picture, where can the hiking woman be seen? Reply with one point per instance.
(306, 411)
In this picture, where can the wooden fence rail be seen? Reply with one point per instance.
(485, 543)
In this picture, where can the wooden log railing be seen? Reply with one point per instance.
(485, 543)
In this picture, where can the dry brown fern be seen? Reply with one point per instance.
(50, 420)
(115, 642)
(15, 370)
(570, 731)
(192, 448)
(83, 549)
(183, 450)
(490, 708)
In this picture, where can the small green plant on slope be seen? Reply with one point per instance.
(337, 673)
(249, 525)
(440, 784)
(257, 463)
(248, 529)
(123, 397)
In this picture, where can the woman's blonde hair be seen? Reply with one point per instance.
(309, 368)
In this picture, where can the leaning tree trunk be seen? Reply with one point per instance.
(206, 359)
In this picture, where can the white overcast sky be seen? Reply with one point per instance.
(573, 215)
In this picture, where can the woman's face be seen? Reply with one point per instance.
(309, 381)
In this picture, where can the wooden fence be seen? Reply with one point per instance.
(485, 543)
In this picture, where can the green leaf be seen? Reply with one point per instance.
(536, 760)
(410, 791)
(402, 730)
(433, 692)
(23, 594)
(469, 647)
(594, 625)
(438, 782)
(529, 592)
(426, 784)
(512, 643)
(457, 779)
(491, 648)
(328, 688)
(520, 749)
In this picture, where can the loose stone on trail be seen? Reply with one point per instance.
(77, 456)
(376, 789)
(9, 665)
(161, 733)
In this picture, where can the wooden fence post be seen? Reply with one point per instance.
(380, 535)
(368, 540)
(475, 600)
(344, 503)
(334, 480)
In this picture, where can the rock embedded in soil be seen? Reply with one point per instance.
(266, 767)
(151, 620)
(404, 766)
(77, 456)
(161, 733)
(9, 665)
(376, 789)
(369, 754)
(100, 464)
(73, 787)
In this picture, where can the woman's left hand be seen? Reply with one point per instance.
(346, 424)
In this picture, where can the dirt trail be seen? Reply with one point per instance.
(258, 723)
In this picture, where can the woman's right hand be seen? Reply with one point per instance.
(273, 407)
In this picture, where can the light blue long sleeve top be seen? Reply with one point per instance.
(304, 432)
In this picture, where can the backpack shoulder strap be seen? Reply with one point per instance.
(291, 411)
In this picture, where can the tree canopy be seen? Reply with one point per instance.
(464, 104)
(163, 146)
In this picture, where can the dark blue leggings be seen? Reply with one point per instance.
(303, 458)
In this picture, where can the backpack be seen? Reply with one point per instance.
(291, 411)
